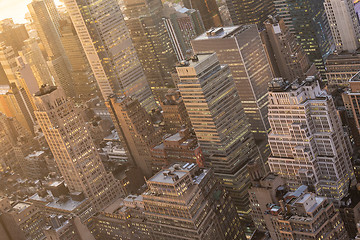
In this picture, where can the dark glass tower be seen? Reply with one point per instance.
(209, 11)
(307, 20)
(250, 11)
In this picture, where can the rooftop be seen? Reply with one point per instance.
(355, 78)
(222, 32)
(45, 89)
(173, 174)
(19, 207)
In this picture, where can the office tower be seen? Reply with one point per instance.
(151, 41)
(250, 12)
(220, 123)
(344, 24)
(307, 21)
(14, 102)
(8, 62)
(307, 141)
(125, 218)
(179, 147)
(136, 131)
(241, 48)
(73, 149)
(303, 214)
(340, 67)
(182, 25)
(26, 77)
(84, 82)
(209, 12)
(21, 220)
(33, 56)
(107, 44)
(57, 60)
(185, 193)
(286, 55)
(264, 189)
(174, 112)
(351, 98)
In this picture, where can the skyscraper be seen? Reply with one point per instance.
(250, 11)
(73, 149)
(307, 21)
(344, 24)
(241, 48)
(209, 11)
(107, 44)
(135, 129)
(84, 82)
(185, 200)
(307, 140)
(220, 123)
(151, 41)
(289, 59)
(182, 25)
(57, 60)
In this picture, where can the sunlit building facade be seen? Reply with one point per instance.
(109, 49)
(209, 11)
(307, 141)
(220, 123)
(73, 149)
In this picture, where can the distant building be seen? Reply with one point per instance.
(174, 112)
(250, 12)
(13, 34)
(136, 131)
(307, 141)
(180, 147)
(209, 11)
(34, 165)
(344, 24)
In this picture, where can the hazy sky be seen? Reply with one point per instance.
(15, 9)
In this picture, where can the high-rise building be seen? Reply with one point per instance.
(303, 214)
(8, 62)
(340, 67)
(107, 44)
(136, 131)
(186, 202)
(220, 123)
(14, 102)
(307, 141)
(182, 25)
(286, 56)
(57, 60)
(84, 82)
(179, 147)
(209, 11)
(351, 99)
(21, 220)
(33, 56)
(250, 11)
(174, 112)
(307, 21)
(241, 48)
(73, 149)
(151, 41)
(344, 24)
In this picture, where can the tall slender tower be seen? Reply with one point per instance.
(307, 21)
(73, 149)
(250, 11)
(209, 11)
(151, 41)
(241, 48)
(220, 123)
(105, 38)
(57, 60)
(307, 140)
(344, 24)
